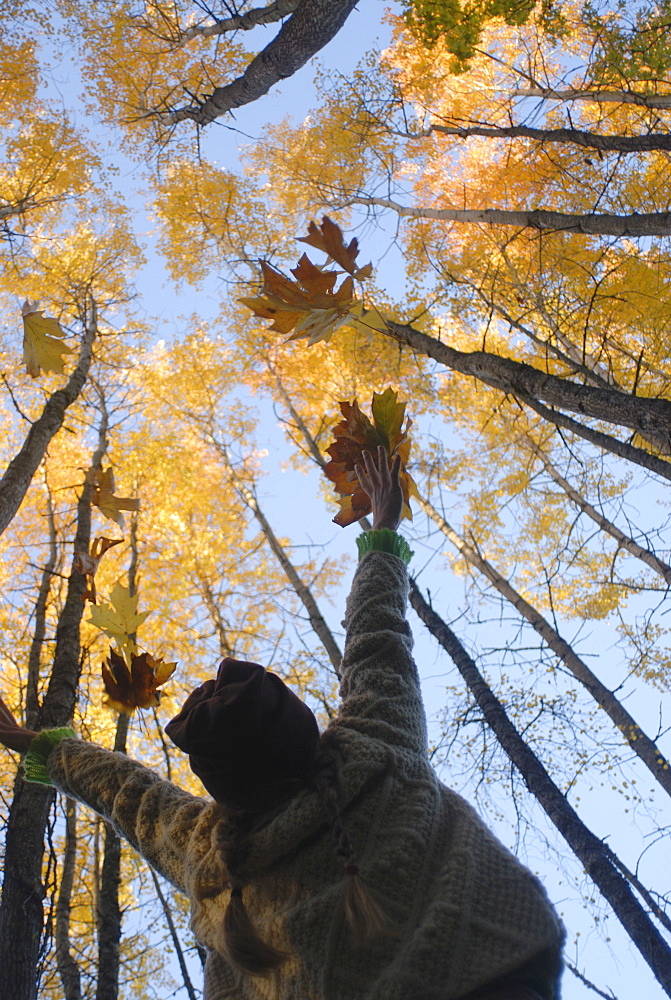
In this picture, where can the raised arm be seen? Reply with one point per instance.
(380, 686)
(153, 815)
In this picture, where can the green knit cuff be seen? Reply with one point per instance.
(384, 540)
(35, 763)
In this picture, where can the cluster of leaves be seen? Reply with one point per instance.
(357, 433)
(460, 27)
(632, 41)
(131, 678)
(311, 305)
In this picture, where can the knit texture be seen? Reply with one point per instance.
(384, 540)
(35, 763)
(464, 911)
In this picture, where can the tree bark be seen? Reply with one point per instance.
(641, 744)
(21, 916)
(606, 442)
(68, 968)
(309, 29)
(635, 226)
(584, 844)
(590, 140)
(648, 417)
(20, 471)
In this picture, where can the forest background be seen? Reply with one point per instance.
(505, 169)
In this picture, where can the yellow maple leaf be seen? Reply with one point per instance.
(119, 620)
(102, 496)
(42, 344)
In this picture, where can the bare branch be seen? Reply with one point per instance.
(641, 744)
(624, 541)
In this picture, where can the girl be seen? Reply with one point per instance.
(332, 867)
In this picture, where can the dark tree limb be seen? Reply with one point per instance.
(584, 844)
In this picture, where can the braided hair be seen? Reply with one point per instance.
(364, 916)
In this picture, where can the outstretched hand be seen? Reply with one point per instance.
(12, 735)
(383, 485)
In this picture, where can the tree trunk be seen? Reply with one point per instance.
(649, 417)
(589, 140)
(68, 968)
(108, 915)
(635, 226)
(21, 917)
(584, 844)
(662, 101)
(34, 656)
(20, 471)
(108, 911)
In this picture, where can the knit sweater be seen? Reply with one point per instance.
(464, 911)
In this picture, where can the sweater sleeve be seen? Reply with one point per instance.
(380, 688)
(156, 817)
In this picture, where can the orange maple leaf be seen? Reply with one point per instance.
(356, 434)
(102, 496)
(127, 689)
(328, 237)
(87, 564)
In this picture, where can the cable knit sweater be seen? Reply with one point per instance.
(464, 910)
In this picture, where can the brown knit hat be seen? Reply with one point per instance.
(250, 739)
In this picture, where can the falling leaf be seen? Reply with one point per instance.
(120, 619)
(355, 434)
(87, 564)
(102, 496)
(328, 237)
(43, 348)
(312, 306)
(128, 688)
